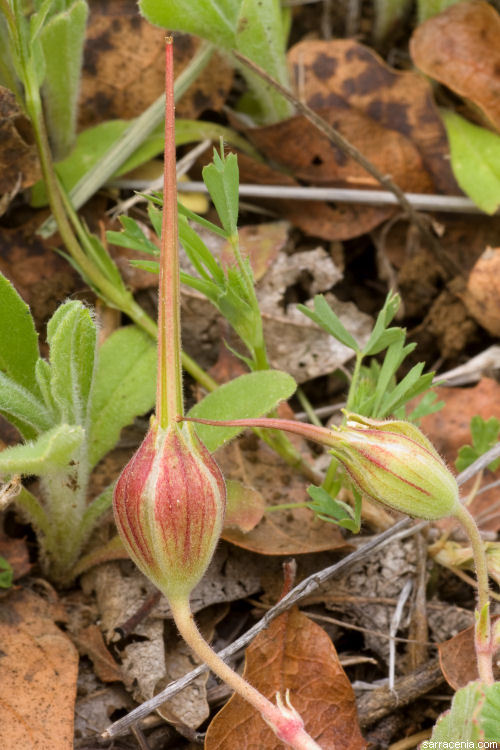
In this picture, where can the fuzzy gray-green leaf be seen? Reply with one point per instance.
(51, 452)
(62, 40)
(18, 338)
(72, 335)
(124, 387)
(23, 409)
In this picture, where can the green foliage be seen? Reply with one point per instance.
(62, 37)
(331, 509)
(121, 393)
(72, 338)
(50, 453)
(245, 397)
(474, 715)
(485, 434)
(43, 52)
(374, 390)
(475, 159)
(69, 409)
(256, 28)
(94, 143)
(222, 180)
(231, 290)
(19, 338)
(6, 574)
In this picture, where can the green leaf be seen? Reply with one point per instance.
(380, 337)
(62, 40)
(215, 20)
(426, 405)
(184, 211)
(474, 716)
(261, 37)
(91, 146)
(43, 377)
(324, 316)
(23, 409)
(221, 177)
(152, 266)
(490, 713)
(199, 254)
(412, 383)
(72, 337)
(124, 387)
(132, 237)
(245, 397)
(336, 511)
(49, 453)
(6, 574)
(485, 434)
(254, 27)
(475, 160)
(392, 360)
(18, 338)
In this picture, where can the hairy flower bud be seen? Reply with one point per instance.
(392, 462)
(169, 505)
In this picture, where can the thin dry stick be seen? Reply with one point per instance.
(338, 139)
(395, 622)
(417, 651)
(305, 588)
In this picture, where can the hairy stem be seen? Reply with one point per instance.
(169, 402)
(285, 723)
(483, 640)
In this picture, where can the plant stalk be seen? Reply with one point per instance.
(285, 723)
(169, 402)
(483, 640)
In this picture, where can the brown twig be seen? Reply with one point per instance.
(338, 139)
(419, 631)
(375, 704)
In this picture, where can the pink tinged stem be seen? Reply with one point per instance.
(484, 643)
(307, 431)
(284, 721)
(169, 386)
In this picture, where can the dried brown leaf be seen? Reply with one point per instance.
(42, 277)
(261, 243)
(317, 219)
(342, 75)
(91, 643)
(459, 47)
(245, 506)
(292, 654)
(309, 155)
(457, 658)
(39, 668)
(123, 69)
(285, 532)
(482, 296)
